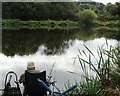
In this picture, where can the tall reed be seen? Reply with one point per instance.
(106, 69)
(106, 78)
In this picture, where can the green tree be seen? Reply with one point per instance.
(40, 10)
(111, 8)
(110, 12)
(86, 17)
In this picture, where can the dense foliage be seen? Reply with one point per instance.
(106, 78)
(86, 17)
(40, 10)
(73, 11)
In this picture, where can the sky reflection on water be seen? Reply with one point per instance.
(63, 63)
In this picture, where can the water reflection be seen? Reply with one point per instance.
(35, 45)
(26, 41)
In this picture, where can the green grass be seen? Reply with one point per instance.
(53, 24)
(45, 24)
(106, 81)
(111, 24)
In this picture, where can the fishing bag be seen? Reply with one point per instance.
(9, 90)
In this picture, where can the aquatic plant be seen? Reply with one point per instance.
(106, 78)
(107, 64)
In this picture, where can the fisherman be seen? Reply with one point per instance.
(31, 69)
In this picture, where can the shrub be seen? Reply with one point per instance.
(86, 17)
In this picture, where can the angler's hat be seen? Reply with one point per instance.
(30, 65)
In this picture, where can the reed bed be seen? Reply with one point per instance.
(106, 80)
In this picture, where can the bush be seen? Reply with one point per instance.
(86, 17)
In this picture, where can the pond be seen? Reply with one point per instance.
(48, 47)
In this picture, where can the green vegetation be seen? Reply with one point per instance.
(60, 14)
(106, 78)
(67, 16)
(86, 18)
(39, 10)
(45, 24)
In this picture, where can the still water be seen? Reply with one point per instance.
(48, 47)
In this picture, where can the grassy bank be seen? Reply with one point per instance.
(53, 24)
(110, 24)
(45, 24)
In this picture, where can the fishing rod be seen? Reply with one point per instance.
(54, 80)
(50, 76)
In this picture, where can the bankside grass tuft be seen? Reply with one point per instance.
(106, 78)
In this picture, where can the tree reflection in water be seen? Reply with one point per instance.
(28, 41)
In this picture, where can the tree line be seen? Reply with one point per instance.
(59, 10)
(104, 12)
(40, 10)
